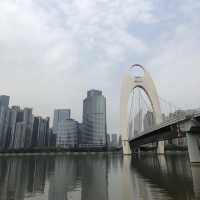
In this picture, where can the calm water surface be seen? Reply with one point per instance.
(99, 177)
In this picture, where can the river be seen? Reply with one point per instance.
(99, 177)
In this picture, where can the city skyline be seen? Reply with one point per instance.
(57, 53)
(21, 129)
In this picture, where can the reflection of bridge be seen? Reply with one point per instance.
(178, 126)
(172, 174)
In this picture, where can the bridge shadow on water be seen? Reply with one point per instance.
(172, 175)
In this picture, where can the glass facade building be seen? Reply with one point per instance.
(94, 119)
(40, 132)
(59, 116)
(4, 117)
(67, 134)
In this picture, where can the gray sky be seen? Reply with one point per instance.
(52, 52)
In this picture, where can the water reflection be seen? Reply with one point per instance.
(79, 177)
(171, 176)
(20, 177)
(98, 177)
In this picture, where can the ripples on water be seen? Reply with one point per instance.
(99, 177)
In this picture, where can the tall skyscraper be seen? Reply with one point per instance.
(148, 120)
(120, 141)
(4, 100)
(59, 116)
(40, 132)
(94, 119)
(10, 136)
(23, 129)
(108, 139)
(4, 118)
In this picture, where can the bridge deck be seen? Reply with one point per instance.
(165, 124)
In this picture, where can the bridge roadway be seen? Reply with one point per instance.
(184, 126)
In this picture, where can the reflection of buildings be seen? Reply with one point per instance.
(37, 175)
(94, 173)
(89, 174)
(26, 177)
(64, 179)
(14, 184)
(86, 178)
(20, 177)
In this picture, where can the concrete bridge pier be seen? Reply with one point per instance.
(193, 147)
(161, 147)
(196, 179)
(126, 147)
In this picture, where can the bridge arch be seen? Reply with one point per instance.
(128, 84)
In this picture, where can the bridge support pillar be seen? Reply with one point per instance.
(126, 148)
(193, 148)
(196, 179)
(161, 147)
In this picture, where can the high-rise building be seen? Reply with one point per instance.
(114, 141)
(40, 132)
(94, 119)
(51, 138)
(23, 129)
(10, 136)
(138, 122)
(148, 120)
(4, 118)
(120, 141)
(28, 120)
(4, 100)
(67, 134)
(108, 139)
(80, 131)
(59, 116)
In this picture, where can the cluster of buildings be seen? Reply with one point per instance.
(20, 129)
(91, 132)
(114, 141)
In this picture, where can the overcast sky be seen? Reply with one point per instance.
(52, 52)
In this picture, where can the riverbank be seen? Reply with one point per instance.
(84, 151)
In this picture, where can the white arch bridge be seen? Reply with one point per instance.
(157, 124)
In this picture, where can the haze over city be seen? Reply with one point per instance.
(52, 53)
